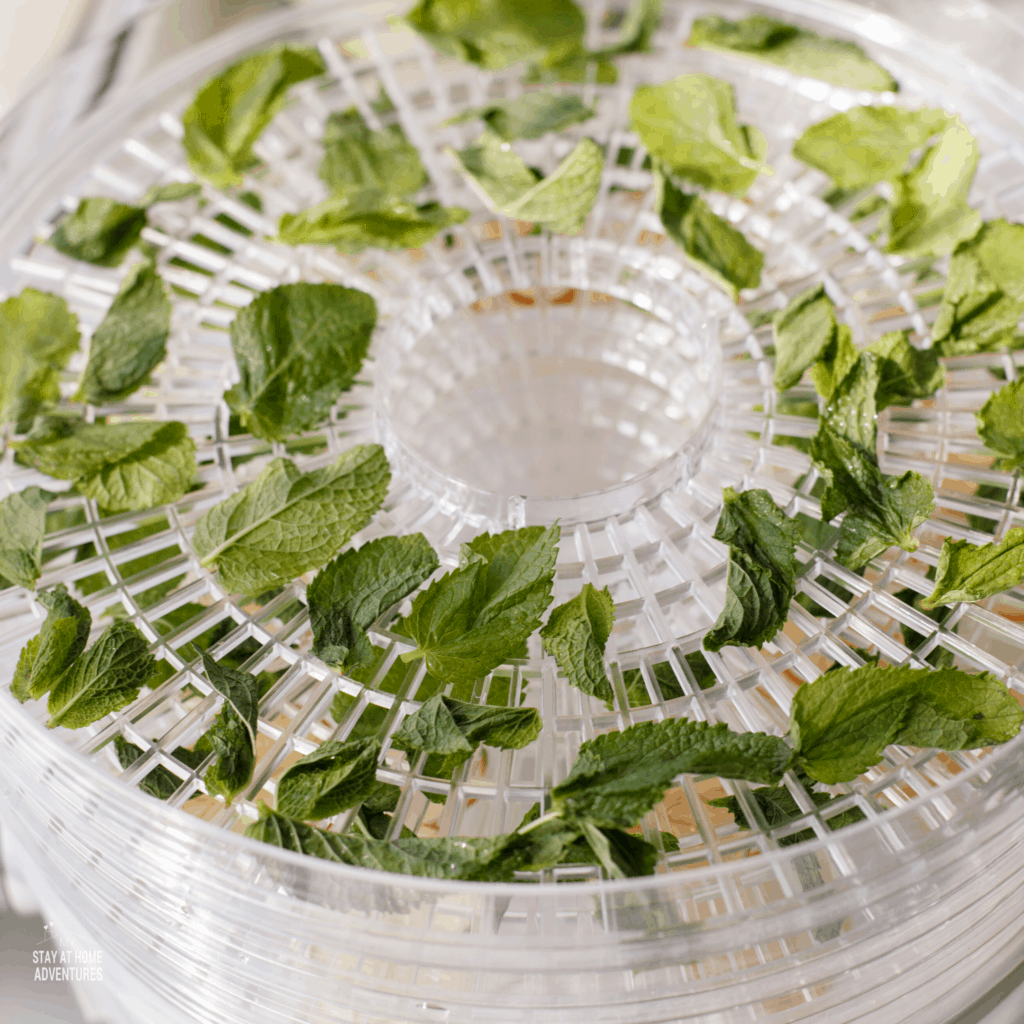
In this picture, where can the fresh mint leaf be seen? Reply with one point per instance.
(839, 358)
(298, 348)
(1001, 425)
(619, 853)
(638, 27)
(972, 572)
(496, 33)
(287, 522)
(131, 340)
(787, 46)
(560, 202)
(804, 332)
(865, 145)
(22, 528)
(881, 510)
(531, 115)
(161, 782)
(350, 593)
(231, 111)
(333, 778)
(905, 372)
(38, 335)
(762, 569)
(842, 722)
(929, 215)
(125, 467)
(689, 126)
(172, 192)
(49, 654)
(240, 690)
(474, 618)
(852, 411)
(101, 231)
(619, 776)
(984, 295)
(575, 635)
(712, 243)
(107, 677)
(351, 227)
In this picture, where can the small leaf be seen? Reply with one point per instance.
(1001, 425)
(240, 690)
(38, 335)
(842, 722)
(804, 331)
(333, 778)
(231, 111)
(106, 678)
(905, 372)
(22, 528)
(531, 115)
(49, 654)
(172, 192)
(228, 738)
(689, 126)
(971, 572)
(131, 340)
(575, 635)
(101, 231)
(161, 782)
(287, 522)
(349, 594)
(126, 467)
(298, 348)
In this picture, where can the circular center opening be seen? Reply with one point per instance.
(546, 392)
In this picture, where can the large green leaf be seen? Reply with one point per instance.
(333, 778)
(972, 572)
(52, 651)
(576, 634)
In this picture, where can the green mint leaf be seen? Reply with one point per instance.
(161, 782)
(131, 340)
(983, 300)
(576, 69)
(804, 331)
(795, 49)
(107, 677)
(496, 33)
(852, 411)
(560, 202)
(689, 126)
(455, 728)
(22, 528)
(839, 358)
(287, 522)
(842, 722)
(865, 145)
(929, 215)
(350, 593)
(49, 654)
(972, 572)
(126, 467)
(620, 854)
(240, 691)
(228, 738)
(101, 231)
(762, 569)
(712, 243)
(335, 777)
(298, 348)
(1001, 425)
(38, 335)
(882, 510)
(351, 228)
(575, 635)
(230, 111)
(531, 115)
(474, 618)
(358, 160)
(172, 192)
(905, 372)
(638, 27)
(619, 776)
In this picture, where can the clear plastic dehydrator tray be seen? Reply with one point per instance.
(508, 370)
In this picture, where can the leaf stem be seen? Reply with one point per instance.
(550, 816)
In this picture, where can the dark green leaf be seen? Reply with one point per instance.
(101, 231)
(287, 522)
(969, 572)
(131, 341)
(795, 49)
(228, 738)
(38, 335)
(240, 690)
(531, 115)
(230, 112)
(49, 654)
(832, 368)
(575, 635)
(333, 778)
(715, 246)
(804, 332)
(126, 467)
(161, 782)
(852, 411)
(1001, 425)
(106, 678)
(762, 569)
(905, 372)
(22, 528)
(689, 126)
(350, 593)
(842, 722)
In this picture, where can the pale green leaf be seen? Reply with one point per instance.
(172, 192)
(531, 115)
(576, 634)
(22, 528)
(804, 331)
(1001, 425)
(972, 572)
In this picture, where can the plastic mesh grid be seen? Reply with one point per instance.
(663, 568)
